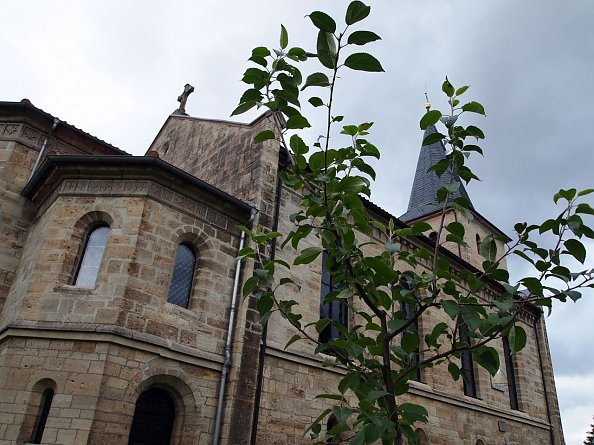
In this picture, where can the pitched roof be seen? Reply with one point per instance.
(423, 199)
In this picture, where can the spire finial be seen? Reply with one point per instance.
(427, 104)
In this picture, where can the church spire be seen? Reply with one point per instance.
(423, 201)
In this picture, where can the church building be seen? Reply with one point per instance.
(121, 315)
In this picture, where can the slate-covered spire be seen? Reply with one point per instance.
(423, 195)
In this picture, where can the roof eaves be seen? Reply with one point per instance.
(53, 162)
(33, 108)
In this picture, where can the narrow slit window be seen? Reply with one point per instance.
(44, 408)
(511, 375)
(336, 311)
(409, 312)
(467, 364)
(183, 274)
(88, 269)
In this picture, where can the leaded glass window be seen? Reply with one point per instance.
(336, 310)
(181, 279)
(88, 268)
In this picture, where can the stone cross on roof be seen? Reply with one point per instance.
(183, 98)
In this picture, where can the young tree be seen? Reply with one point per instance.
(590, 438)
(387, 292)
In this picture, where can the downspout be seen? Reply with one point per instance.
(228, 342)
(544, 383)
(44, 145)
(263, 344)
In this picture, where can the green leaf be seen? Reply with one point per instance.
(533, 285)
(264, 304)
(354, 184)
(363, 62)
(284, 37)
(254, 76)
(460, 91)
(475, 131)
(363, 37)
(308, 255)
(576, 249)
(250, 285)
(430, 118)
(297, 145)
(297, 122)
(292, 340)
(414, 413)
(517, 338)
(410, 342)
(488, 248)
(316, 80)
(323, 21)
(451, 308)
(585, 192)
(242, 108)
(326, 47)
(249, 95)
(264, 136)
(456, 228)
(321, 324)
(356, 12)
(316, 101)
(433, 138)
(474, 107)
(438, 330)
(454, 371)
(488, 358)
(447, 88)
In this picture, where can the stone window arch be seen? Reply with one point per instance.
(189, 412)
(331, 423)
(154, 416)
(422, 437)
(76, 245)
(92, 255)
(182, 276)
(37, 411)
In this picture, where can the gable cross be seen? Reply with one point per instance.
(183, 98)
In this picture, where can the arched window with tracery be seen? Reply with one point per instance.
(90, 260)
(182, 276)
(153, 419)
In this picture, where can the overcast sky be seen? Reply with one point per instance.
(115, 69)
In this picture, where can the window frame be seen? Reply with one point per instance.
(190, 282)
(409, 309)
(467, 364)
(45, 406)
(90, 231)
(337, 311)
(512, 386)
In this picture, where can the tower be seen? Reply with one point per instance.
(423, 205)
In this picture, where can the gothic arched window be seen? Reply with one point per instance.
(182, 276)
(88, 268)
(153, 418)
